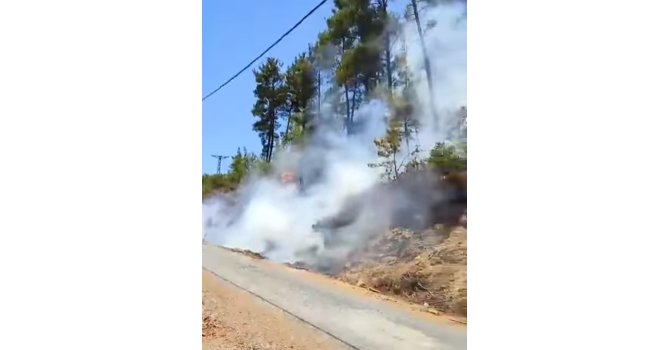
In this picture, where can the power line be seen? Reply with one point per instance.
(266, 50)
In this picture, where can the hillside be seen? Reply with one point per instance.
(423, 266)
(427, 267)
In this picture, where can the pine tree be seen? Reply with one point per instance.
(241, 165)
(339, 35)
(355, 28)
(315, 59)
(300, 88)
(388, 148)
(448, 157)
(426, 60)
(389, 29)
(270, 104)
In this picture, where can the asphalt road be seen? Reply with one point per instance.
(359, 321)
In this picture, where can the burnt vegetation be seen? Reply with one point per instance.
(422, 195)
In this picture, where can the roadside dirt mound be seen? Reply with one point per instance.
(427, 267)
(211, 326)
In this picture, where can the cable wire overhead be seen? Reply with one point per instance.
(266, 50)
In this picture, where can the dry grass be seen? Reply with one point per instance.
(248, 253)
(428, 267)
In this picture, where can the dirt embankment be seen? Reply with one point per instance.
(428, 267)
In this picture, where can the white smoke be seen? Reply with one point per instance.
(446, 44)
(276, 219)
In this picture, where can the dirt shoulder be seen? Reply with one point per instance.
(234, 319)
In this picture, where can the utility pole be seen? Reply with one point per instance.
(218, 166)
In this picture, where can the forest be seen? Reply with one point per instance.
(359, 57)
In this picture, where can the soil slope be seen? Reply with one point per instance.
(427, 267)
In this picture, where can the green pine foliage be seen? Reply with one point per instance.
(348, 63)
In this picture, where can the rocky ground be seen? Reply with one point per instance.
(428, 267)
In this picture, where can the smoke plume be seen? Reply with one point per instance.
(277, 220)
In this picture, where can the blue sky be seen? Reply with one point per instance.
(234, 32)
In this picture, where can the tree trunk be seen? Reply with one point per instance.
(395, 166)
(304, 120)
(406, 132)
(426, 62)
(271, 137)
(389, 76)
(288, 125)
(405, 88)
(272, 112)
(387, 46)
(318, 96)
(353, 105)
(346, 96)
